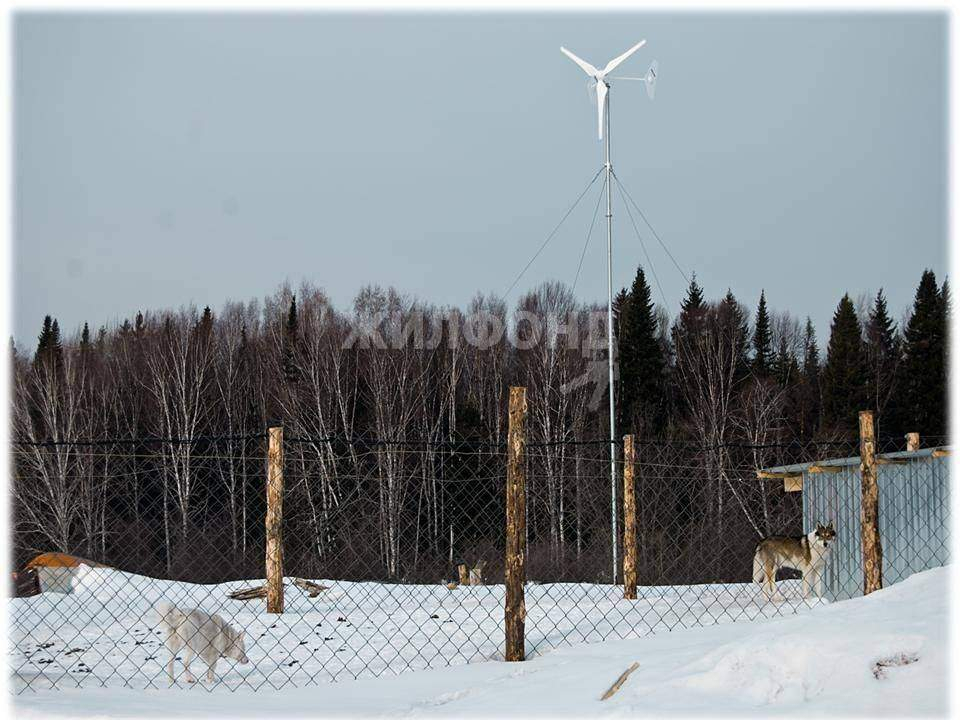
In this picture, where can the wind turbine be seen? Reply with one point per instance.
(601, 84)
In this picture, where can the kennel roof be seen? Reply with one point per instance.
(883, 459)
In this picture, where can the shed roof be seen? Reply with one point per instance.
(798, 468)
(56, 559)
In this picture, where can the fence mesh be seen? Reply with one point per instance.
(393, 552)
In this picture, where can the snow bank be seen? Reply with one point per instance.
(883, 655)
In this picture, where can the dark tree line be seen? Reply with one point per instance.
(395, 415)
(870, 363)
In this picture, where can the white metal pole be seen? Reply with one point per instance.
(613, 429)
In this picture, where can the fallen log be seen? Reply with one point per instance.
(311, 588)
(620, 681)
(248, 593)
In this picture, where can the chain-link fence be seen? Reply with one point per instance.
(393, 551)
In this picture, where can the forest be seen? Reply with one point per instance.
(141, 444)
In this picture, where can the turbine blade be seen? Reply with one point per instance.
(584, 65)
(601, 105)
(619, 59)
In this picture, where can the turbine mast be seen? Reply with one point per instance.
(602, 88)
(613, 426)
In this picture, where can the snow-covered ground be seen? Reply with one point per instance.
(884, 654)
(104, 633)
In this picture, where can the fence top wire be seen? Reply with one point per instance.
(466, 443)
(145, 440)
(364, 440)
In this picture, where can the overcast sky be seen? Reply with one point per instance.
(163, 160)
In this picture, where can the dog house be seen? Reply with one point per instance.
(56, 572)
(914, 513)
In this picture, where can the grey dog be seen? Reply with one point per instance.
(208, 636)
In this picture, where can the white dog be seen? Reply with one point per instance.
(208, 636)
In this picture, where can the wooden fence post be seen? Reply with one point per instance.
(274, 521)
(913, 441)
(629, 521)
(869, 507)
(515, 609)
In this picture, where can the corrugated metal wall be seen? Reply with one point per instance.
(914, 520)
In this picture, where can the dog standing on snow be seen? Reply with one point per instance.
(208, 636)
(807, 554)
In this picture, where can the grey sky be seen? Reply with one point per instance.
(162, 160)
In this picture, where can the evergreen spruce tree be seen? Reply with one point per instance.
(784, 367)
(692, 310)
(49, 351)
(642, 362)
(619, 301)
(762, 355)
(205, 324)
(785, 372)
(288, 352)
(690, 322)
(924, 363)
(883, 350)
(85, 346)
(844, 374)
(809, 418)
(732, 320)
(43, 339)
(945, 313)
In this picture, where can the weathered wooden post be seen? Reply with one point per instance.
(629, 521)
(913, 441)
(869, 507)
(515, 609)
(275, 521)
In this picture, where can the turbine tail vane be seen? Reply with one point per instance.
(650, 79)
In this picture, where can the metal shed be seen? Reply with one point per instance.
(914, 512)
